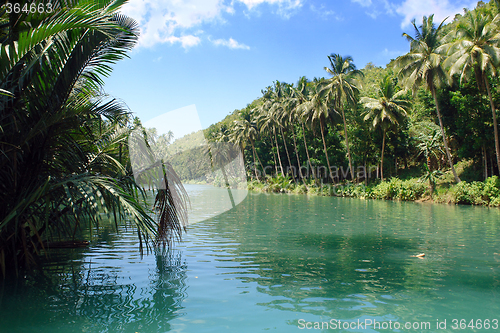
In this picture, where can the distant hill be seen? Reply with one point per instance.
(188, 141)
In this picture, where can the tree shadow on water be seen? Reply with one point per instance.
(87, 297)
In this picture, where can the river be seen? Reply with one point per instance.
(281, 263)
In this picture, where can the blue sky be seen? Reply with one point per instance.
(219, 54)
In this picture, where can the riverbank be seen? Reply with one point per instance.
(486, 193)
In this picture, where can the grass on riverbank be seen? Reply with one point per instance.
(484, 193)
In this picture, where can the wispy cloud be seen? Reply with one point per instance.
(325, 13)
(231, 43)
(171, 21)
(389, 7)
(288, 4)
(416, 9)
(364, 3)
(375, 8)
(392, 54)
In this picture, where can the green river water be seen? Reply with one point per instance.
(281, 263)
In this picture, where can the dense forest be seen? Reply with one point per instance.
(428, 117)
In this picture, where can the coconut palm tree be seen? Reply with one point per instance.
(341, 90)
(281, 93)
(267, 121)
(298, 97)
(385, 111)
(246, 131)
(62, 160)
(477, 52)
(315, 109)
(424, 65)
(291, 117)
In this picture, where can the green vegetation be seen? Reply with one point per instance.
(426, 123)
(64, 161)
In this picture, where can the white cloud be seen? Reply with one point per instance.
(170, 21)
(416, 9)
(364, 3)
(324, 13)
(389, 8)
(374, 14)
(160, 21)
(285, 7)
(186, 41)
(286, 4)
(231, 43)
(376, 7)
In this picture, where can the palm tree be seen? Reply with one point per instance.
(386, 111)
(267, 122)
(424, 65)
(341, 90)
(299, 96)
(61, 153)
(244, 130)
(477, 51)
(315, 109)
(280, 95)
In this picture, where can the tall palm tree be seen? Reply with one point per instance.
(477, 52)
(299, 96)
(245, 130)
(315, 109)
(424, 65)
(280, 95)
(341, 90)
(267, 121)
(286, 117)
(60, 151)
(385, 111)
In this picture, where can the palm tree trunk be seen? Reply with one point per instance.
(347, 144)
(274, 158)
(307, 150)
(433, 92)
(485, 159)
(254, 163)
(275, 162)
(382, 157)
(278, 151)
(324, 146)
(258, 159)
(495, 124)
(297, 154)
(287, 155)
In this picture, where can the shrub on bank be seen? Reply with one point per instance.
(485, 193)
(397, 189)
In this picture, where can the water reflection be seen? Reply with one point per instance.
(96, 290)
(354, 259)
(269, 262)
